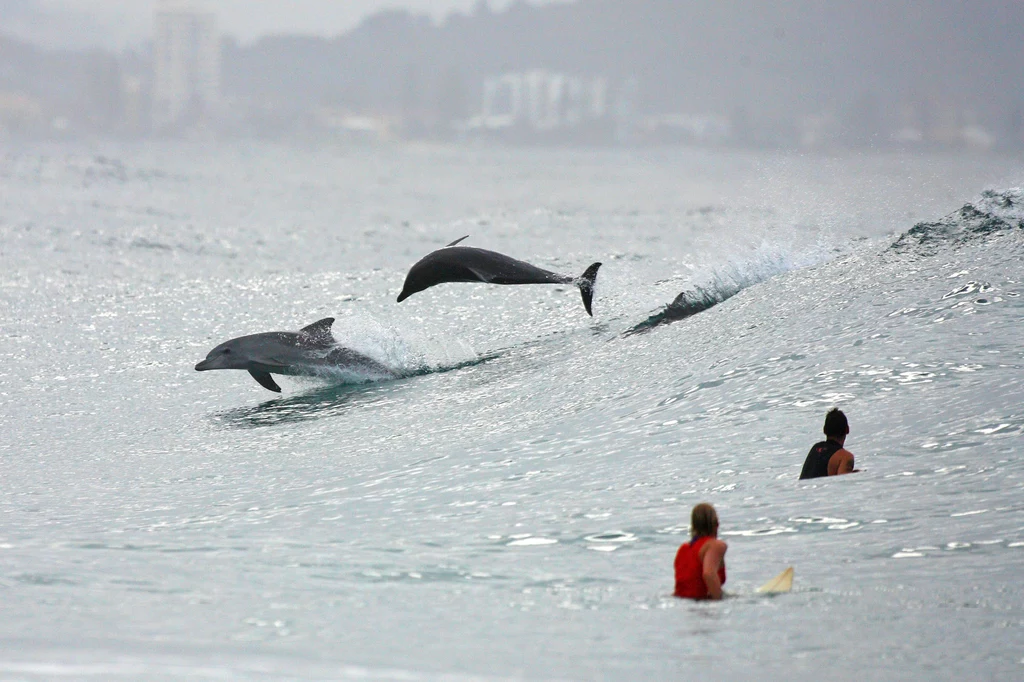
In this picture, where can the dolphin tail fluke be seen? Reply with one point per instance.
(586, 284)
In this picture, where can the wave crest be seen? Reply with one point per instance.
(996, 212)
(725, 281)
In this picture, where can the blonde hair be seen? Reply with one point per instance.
(703, 520)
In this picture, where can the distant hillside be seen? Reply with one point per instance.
(808, 73)
(775, 59)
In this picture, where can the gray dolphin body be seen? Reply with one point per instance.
(307, 352)
(466, 264)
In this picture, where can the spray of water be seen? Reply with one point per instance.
(708, 286)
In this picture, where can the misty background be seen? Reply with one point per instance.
(790, 74)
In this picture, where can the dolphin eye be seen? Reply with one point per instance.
(227, 351)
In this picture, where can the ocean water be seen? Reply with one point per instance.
(510, 508)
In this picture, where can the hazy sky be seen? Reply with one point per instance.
(119, 22)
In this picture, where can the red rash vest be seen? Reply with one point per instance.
(690, 572)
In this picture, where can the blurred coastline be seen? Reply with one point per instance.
(782, 75)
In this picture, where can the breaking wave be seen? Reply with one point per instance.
(996, 212)
(724, 282)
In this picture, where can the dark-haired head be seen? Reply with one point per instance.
(836, 425)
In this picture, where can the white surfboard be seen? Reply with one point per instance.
(783, 582)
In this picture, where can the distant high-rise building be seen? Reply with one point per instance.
(541, 101)
(186, 64)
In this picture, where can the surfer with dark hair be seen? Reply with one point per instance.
(829, 457)
(700, 563)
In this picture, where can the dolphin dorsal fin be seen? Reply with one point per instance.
(456, 241)
(320, 326)
(320, 330)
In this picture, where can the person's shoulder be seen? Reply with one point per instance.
(839, 459)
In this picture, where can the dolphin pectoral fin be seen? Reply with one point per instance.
(456, 241)
(479, 274)
(586, 284)
(265, 380)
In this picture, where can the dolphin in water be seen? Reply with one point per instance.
(686, 304)
(311, 351)
(467, 264)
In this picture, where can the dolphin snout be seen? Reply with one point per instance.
(204, 365)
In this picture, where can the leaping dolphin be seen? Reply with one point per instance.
(467, 264)
(309, 352)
